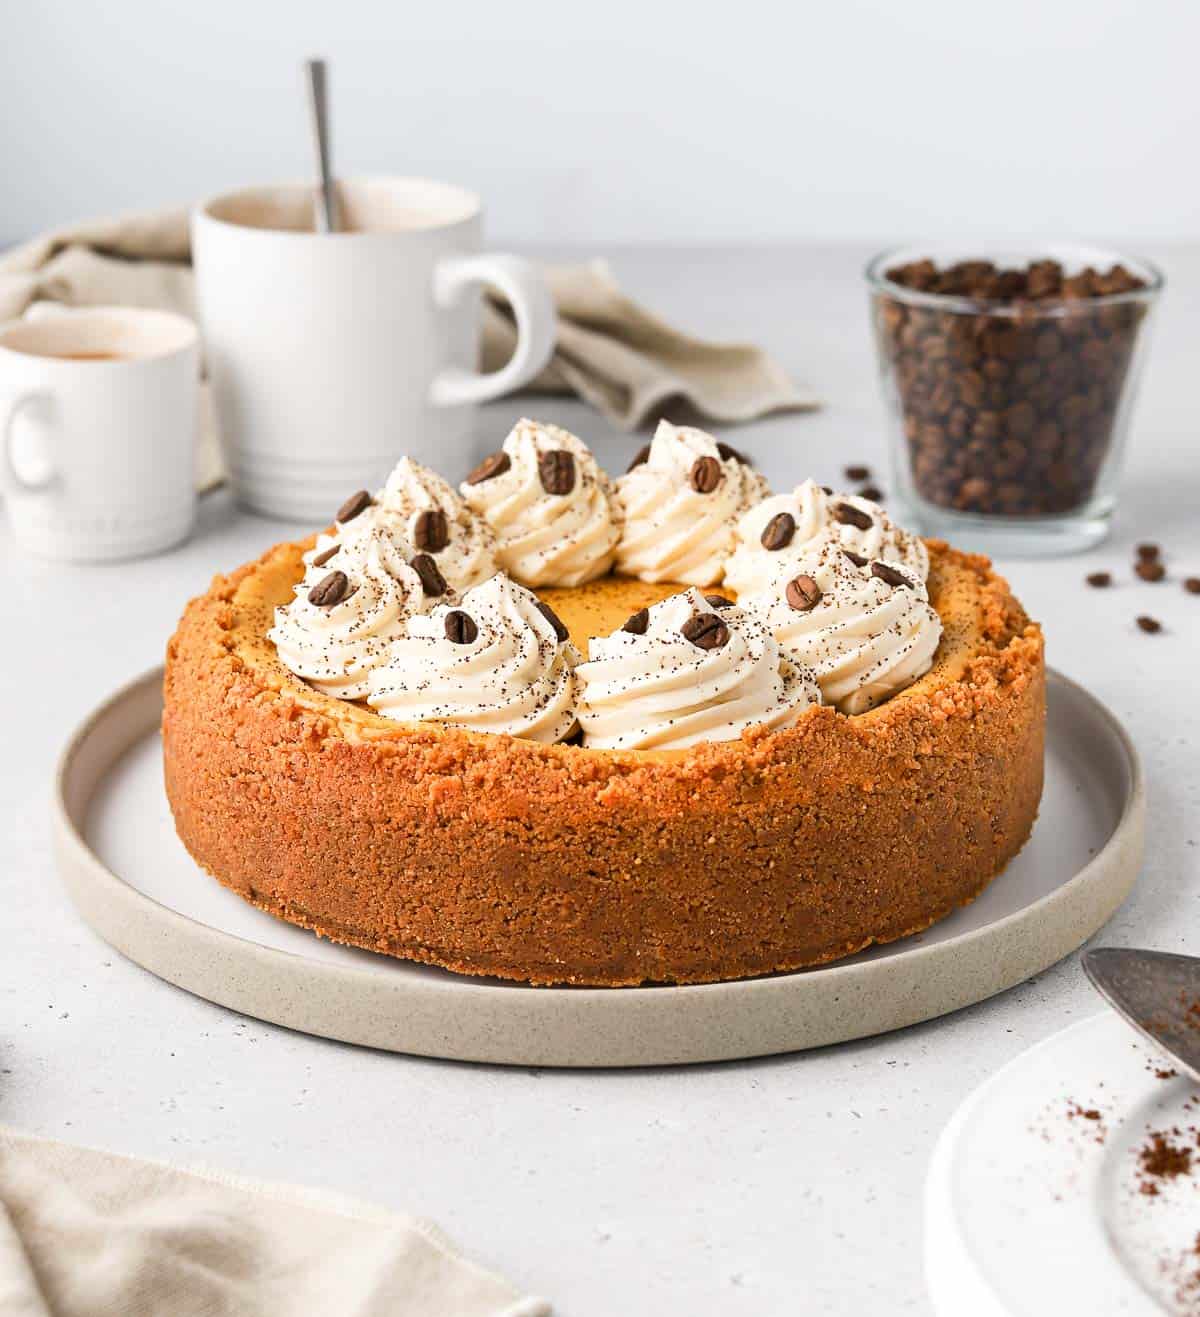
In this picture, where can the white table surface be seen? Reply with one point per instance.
(784, 1185)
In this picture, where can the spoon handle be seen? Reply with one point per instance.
(325, 201)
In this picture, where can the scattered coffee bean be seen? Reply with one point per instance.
(357, 503)
(489, 468)
(871, 492)
(1148, 552)
(705, 475)
(326, 556)
(889, 575)
(856, 558)
(1149, 569)
(1151, 625)
(1008, 405)
(705, 630)
(731, 454)
(432, 580)
(849, 515)
(461, 628)
(778, 532)
(825, 489)
(1192, 584)
(718, 601)
(636, 623)
(640, 458)
(1101, 580)
(330, 590)
(802, 593)
(560, 631)
(431, 533)
(557, 471)
(857, 473)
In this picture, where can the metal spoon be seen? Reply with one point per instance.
(325, 207)
(1157, 992)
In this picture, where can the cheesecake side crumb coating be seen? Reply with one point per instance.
(555, 864)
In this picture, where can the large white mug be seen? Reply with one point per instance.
(332, 354)
(98, 430)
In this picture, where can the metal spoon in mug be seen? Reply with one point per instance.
(325, 206)
(1157, 992)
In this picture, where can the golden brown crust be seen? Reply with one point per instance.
(553, 864)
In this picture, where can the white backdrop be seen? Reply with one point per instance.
(628, 121)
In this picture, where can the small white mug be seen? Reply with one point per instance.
(332, 354)
(98, 412)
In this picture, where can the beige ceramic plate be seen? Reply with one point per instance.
(137, 887)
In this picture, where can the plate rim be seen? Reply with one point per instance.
(88, 878)
(955, 1279)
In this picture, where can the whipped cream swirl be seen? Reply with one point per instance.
(681, 507)
(866, 631)
(549, 504)
(436, 521)
(786, 527)
(348, 610)
(496, 662)
(650, 687)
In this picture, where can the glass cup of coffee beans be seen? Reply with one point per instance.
(1009, 378)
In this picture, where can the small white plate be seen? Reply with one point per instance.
(135, 884)
(1035, 1201)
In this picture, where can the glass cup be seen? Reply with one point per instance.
(1009, 419)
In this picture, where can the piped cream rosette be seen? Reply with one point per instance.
(685, 671)
(497, 661)
(786, 527)
(865, 627)
(549, 505)
(680, 507)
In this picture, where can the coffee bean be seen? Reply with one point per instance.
(778, 532)
(856, 558)
(322, 558)
(857, 473)
(849, 515)
(1192, 584)
(1149, 569)
(705, 630)
(637, 623)
(489, 468)
(353, 506)
(1151, 625)
(330, 590)
(705, 475)
(889, 575)
(1101, 580)
(461, 628)
(431, 532)
(560, 631)
(1148, 551)
(872, 493)
(802, 593)
(640, 458)
(432, 581)
(718, 601)
(557, 471)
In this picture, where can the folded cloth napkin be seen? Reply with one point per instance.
(92, 1234)
(611, 352)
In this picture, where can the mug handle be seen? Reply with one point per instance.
(8, 414)
(537, 323)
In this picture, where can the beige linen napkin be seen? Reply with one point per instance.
(611, 352)
(92, 1234)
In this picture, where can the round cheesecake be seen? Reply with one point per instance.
(491, 855)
